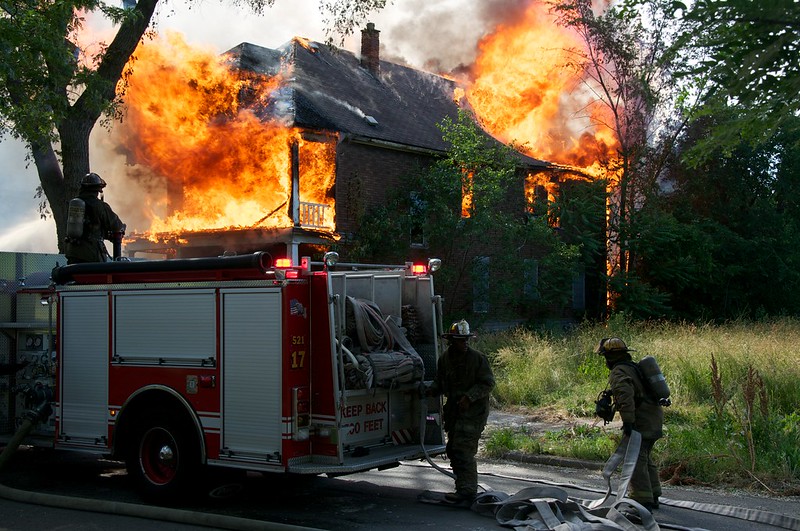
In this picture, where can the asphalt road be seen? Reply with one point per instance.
(384, 500)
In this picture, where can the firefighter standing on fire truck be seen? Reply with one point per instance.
(465, 378)
(90, 221)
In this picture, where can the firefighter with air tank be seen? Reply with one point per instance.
(465, 378)
(640, 411)
(90, 221)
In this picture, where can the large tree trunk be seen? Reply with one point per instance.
(61, 185)
(74, 136)
(52, 181)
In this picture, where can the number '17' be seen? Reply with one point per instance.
(298, 359)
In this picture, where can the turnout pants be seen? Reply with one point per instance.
(645, 485)
(462, 445)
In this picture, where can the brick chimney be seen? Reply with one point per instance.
(370, 47)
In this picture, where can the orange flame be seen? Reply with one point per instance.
(466, 193)
(307, 44)
(523, 91)
(200, 127)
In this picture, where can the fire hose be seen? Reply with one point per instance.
(552, 503)
(30, 419)
(549, 507)
(423, 422)
(41, 413)
(373, 333)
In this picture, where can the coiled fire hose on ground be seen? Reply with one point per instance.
(548, 507)
(166, 514)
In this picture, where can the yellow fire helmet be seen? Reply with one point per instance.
(459, 330)
(608, 345)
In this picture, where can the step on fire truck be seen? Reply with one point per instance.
(177, 366)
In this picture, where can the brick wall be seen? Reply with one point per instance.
(366, 176)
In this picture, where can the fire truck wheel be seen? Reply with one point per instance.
(164, 461)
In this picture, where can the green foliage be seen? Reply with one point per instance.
(636, 297)
(723, 449)
(733, 386)
(696, 232)
(582, 442)
(580, 211)
(428, 205)
(704, 245)
(480, 166)
(36, 55)
(628, 63)
(738, 224)
(342, 16)
(518, 384)
(579, 442)
(746, 53)
(505, 440)
(692, 454)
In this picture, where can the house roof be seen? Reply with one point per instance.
(328, 89)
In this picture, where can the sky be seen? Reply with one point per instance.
(437, 36)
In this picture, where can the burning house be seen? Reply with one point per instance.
(282, 150)
(324, 135)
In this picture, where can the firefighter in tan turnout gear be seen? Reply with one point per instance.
(465, 378)
(91, 221)
(638, 411)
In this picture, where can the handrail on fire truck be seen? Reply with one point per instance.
(259, 262)
(331, 262)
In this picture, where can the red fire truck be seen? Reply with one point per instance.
(237, 362)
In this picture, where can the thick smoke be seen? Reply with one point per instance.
(441, 37)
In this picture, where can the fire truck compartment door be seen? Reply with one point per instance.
(252, 426)
(84, 368)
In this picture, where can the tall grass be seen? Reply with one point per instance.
(735, 391)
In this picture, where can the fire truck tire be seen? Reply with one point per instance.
(164, 460)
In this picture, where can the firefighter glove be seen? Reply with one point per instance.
(627, 428)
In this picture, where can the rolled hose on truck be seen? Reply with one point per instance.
(41, 412)
(493, 503)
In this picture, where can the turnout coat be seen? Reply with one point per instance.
(631, 400)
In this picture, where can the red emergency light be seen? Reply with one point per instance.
(283, 262)
(419, 269)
